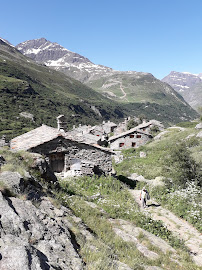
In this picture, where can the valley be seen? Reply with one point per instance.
(69, 191)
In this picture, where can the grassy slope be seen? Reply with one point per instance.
(26, 86)
(157, 97)
(185, 202)
(104, 247)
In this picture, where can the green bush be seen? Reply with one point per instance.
(180, 167)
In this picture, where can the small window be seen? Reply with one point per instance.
(144, 129)
(138, 136)
(133, 144)
(131, 135)
(121, 144)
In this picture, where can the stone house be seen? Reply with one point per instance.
(108, 127)
(128, 139)
(63, 153)
(145, 126)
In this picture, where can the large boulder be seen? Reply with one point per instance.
(36, 238)
(13, 181)
(45, 170)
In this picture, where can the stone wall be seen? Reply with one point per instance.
(129, 141)
(82, 159)
(91, 159)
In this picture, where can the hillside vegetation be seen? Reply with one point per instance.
(175, 159)
(28, 87)
(108, 230)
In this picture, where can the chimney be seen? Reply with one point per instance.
(62, 123)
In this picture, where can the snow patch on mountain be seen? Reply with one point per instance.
(182, 81)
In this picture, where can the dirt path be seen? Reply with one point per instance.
(124, 93)
(179, 227)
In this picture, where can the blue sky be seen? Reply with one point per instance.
(155, 36)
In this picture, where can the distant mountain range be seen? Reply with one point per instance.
(29, 86)
(188, 85)
(124, 87)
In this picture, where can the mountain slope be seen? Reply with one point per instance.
(131, 89)
(59, 58)
(188, 85)
(29, 87)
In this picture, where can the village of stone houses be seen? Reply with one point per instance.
(84, 150)
(82, 210)
(100, 169)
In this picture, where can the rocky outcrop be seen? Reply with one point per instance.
(36, 238)
(45, 170)
(13, 181)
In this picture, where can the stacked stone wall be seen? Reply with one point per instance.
(128, 142)
(88, 155)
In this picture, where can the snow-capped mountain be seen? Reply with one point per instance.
(121, 86)
(182, 81)
(54, 55)
(188, 85)
(72, 64)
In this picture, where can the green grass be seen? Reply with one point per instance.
(157, 151)
(155, 163)
(113, 200)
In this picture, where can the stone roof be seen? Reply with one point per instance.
(110, 124)
(85, 138)
(34, 138)
(132, 130)
(151, 122)
(45, 134)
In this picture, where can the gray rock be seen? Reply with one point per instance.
(199, 135)
(143, 155)
(36, 238)
(199, 126)
(44, 168)
(13, 181)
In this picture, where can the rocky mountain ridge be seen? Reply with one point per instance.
(188, 85)
(54, 55)
(125, 87)
(182, 81)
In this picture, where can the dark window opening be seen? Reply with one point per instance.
(133, 144)
(57, 162)
(131, 135)
(138, 136)
(121, 144)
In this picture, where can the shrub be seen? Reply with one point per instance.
(131, 124)
(180, 166)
